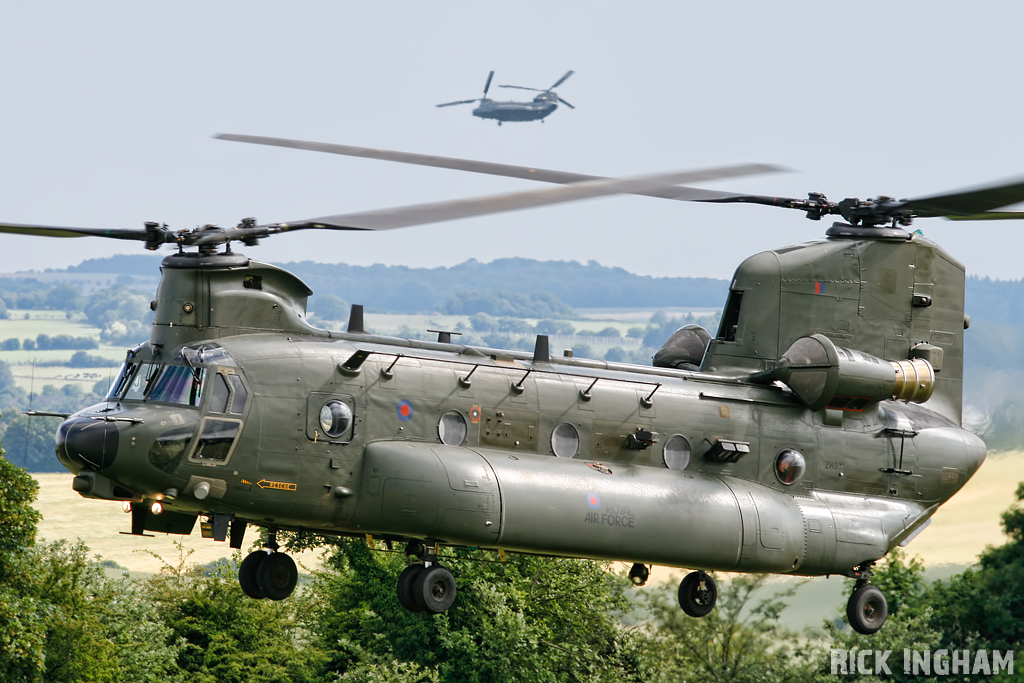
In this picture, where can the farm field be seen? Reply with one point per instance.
(98, 523)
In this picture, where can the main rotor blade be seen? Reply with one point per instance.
(566, 103)
(680, 193)
(522, 87)
(54, 231)
(448, 104)
(971, 201)
(487, 86)
(401, 217)
(561, 80)
(989, 216)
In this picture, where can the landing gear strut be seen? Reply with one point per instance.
(267, 573)
(698, 594)
(867, 609)
(425, 586)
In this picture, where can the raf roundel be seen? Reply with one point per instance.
(594, 501)
(404, 410)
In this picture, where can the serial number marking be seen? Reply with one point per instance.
(278, 485)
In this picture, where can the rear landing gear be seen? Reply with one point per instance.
(867, 609)
(698, 594)
(268, 573)
(427, 586)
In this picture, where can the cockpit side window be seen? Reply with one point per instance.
(239, 394)
(220, 394)
(227, 393)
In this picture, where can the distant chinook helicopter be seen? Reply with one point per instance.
(542, 105)
(816, 431)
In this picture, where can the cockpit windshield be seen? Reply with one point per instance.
(181, 384)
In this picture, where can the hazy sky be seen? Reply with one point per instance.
(108, 109)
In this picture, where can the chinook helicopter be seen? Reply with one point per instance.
(542, 105)
(816, 431)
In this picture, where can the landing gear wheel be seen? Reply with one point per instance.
(697, 594)
(434, 589)
(247, 574)
(867, 610)
(277, 576)
(406, 587)
(638, 574)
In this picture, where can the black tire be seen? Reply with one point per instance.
(867, 610)
(695, 600)
(435, 589)
(247, 574)
(277, 576)
(407, 588)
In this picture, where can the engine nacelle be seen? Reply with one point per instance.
(824, 375)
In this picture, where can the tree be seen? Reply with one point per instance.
(554, 327)
(64, 297)
(225, 636)
(528, 618)
(331, 307)
(984, 606)
(22, 624)
(741, 640)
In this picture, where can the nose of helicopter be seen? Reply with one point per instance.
(974, 452)
(84, 442)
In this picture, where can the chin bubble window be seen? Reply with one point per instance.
(677, 452)
(335, 418)
(452, 428)
(565, 441)
(789, 466)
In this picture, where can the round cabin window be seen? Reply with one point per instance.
(335, 418)
(677, 452)
(565, 441)
(789, 466)
(452, 428)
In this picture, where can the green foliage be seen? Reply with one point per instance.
(18, 518)
(529, 618)
(502, 303)
(4, 314)
(554, 327)
(64, 297)
(616, 354)
(739, 641)
(117, 304)
(330, 307)
(45, 342)
(226, 637)
(984, 607)
(61, 618)
(83, 359)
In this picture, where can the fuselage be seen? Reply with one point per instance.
(516, 111)
(499, 449)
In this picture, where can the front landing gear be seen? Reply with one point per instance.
(867, 609)
(698, 594)
(426, 586)
(268, 573)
